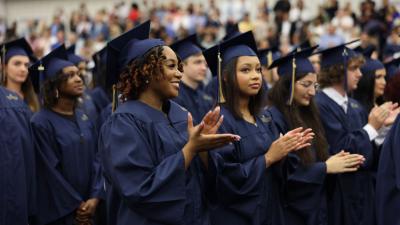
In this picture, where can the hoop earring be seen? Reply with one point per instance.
(57, 94)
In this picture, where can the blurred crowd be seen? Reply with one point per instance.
(284, 24)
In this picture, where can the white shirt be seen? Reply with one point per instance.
(343, 102)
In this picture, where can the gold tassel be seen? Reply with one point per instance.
(114, 100)
(269, 58)
(221, 98)
(293, 80)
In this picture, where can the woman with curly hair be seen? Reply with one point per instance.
(70, 183)
(149, 145)
(17, 58)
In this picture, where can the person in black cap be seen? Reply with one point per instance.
(70, 183)
(17, 167)
(306, 170)
(191, 95)
(348, 127)
(16, 58)
(244, 188)
(149, 145)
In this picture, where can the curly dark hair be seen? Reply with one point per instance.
(50, 87)
(139, 73)
(334, 74)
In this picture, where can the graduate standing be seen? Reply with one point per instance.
(191, 96)
(17, 168)
(70, 183)
(305, 171)
(149, 144)
(243, 178)
(388, 179)
(18, 56)
(347, 127)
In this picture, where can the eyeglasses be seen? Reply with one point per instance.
(309, 84)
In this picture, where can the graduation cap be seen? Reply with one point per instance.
(100, 60)
(294, 64)
(16, 47)
(231, 33)
(187, 47)
(219, 55)
(370, 64)
(49, 66)
(126, 48)
(72, 57)
(302, 46)
(13, 48)
(339, 54)
(268, 55)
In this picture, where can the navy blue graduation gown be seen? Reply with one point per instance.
(212, 88)
(241, 189)
(17, 161)
(304, 197)
(67, 164)
(104, 114)
(88, 106)
(141, 151)
(352, 201)
(197, 102)
(99, 98)
(388, 179)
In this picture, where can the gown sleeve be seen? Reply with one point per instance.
(155, 190)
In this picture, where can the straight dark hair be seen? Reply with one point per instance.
(300, 116)
(365, 91)
(231, 92)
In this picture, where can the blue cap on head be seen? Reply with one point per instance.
(128, 47)
(72, 57)
(187, 47)
(16, 47)
(336, 55)
(303, 65)
(241, 45)
(370, 64)
(268, 55)
(49, 66)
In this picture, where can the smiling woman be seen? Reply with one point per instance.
(149, 145)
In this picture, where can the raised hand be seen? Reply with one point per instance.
(293, 140)
(212, 121)
(343, 162)
(377, 116)
(394, 110)
(198, 141)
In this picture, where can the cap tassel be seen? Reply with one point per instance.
(221, 98)
(269, 58)
(3, 65)
(114, 98)
(293, 80)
